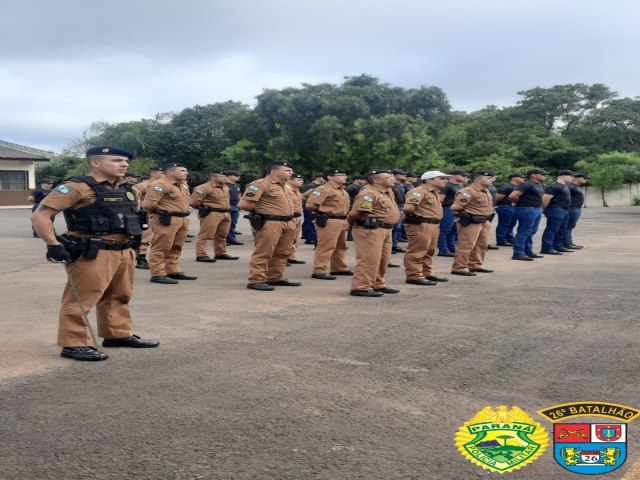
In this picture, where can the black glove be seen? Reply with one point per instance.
(57, 253)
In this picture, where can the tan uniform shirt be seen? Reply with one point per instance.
(271, 198)
(474, 200)
(171, 197)
(74, 195)
(377, 203)
(298, 199)
(427, 201)
(330, 200)
(212, 196)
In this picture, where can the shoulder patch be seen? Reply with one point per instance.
(416, 194)
(366, 205)
(316, 193)
(367, 198)
(466, 195)
(158, 189)
(255, 188)
(199, 190)
(63, 188)
(249, 194)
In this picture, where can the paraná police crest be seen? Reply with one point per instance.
(502, 440)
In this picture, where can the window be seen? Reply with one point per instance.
(14, 180)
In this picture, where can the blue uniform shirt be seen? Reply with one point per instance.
(561, 196)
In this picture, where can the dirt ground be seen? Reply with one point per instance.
(309, 382)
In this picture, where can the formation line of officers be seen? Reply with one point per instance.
(107, 215)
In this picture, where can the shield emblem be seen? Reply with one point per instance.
(608, 433)
(590, 449)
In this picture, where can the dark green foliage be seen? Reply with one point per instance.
(362, 124)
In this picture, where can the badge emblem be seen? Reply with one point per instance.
(590, 448)
(255, 188)
(158, 189)
(63, 188)
(131, 196)
(501, 440)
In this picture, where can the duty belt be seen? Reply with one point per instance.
(297, 214)
(218, 210)
(113, 245)
(174, 214)
(329, 215)
(277, 218)
(428, 220)
(388, 226)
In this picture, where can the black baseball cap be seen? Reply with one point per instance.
(566, 172)
(582, 175)
(459, 172)
(516, 175)
(537, 171)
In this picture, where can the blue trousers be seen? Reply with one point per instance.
(308, 229)
(528, 221)
(235, 215)
(396, 233)
(448, 232)
(506, 222)
(574, 216)
(553, 236)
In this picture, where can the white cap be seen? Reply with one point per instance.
(433, 174)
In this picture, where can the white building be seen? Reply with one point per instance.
(17, 172)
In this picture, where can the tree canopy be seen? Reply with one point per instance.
(363, 124)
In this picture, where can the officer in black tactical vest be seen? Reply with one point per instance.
(101, 214)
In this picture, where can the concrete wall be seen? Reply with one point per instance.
(620, 197)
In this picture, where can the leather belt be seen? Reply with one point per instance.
(277, 218)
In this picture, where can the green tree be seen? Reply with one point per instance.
(611, 170)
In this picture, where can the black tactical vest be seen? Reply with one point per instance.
(114, 211)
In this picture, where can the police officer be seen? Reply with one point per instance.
(448, 228)
(555, 205)
(527, 197)
(155, 173)
(399, 191)
(131, 178)
(271, 203)
(423, 212)
(308, 230)
(211, 199)
(233, 177)
(167, 201)
(38, 195)
(506, 212)
(575, 210)
(372, 217)
(101, 215)
(295, 182)
(474, 206)
(330, 203)
(354, 187)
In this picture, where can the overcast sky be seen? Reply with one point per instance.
(66, 63)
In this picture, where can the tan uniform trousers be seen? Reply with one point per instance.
(164, 257)
(214, 226)
(473, 241)
(373, 252)
(273, 244)
(418, 261)
(145, 241)
(106, 282)
(294, 247)
(331, 248)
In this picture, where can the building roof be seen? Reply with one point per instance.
(13, 151)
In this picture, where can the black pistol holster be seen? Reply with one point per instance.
(255, 220)
(203, 212)
(75, 246)
(321, 219)
(164, 218)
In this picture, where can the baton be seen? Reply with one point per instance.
(83, 312)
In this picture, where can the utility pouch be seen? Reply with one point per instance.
(93, 247)
(255, 220)
(479, 218)
(143, 218)
(321, 220)
(370, 223)
(132, 224)
(165, 218)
